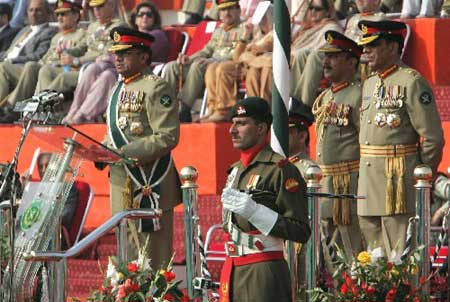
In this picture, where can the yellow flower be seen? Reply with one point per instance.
(394, 272)
(120, 276)
(414, 268)
(364, 258)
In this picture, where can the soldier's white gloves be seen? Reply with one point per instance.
(242, 204)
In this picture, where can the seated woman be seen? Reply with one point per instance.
(319, 18)
(92, 92)
(251, 60)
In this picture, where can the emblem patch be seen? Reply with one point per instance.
(31, 215)
(165, 100)
(241, 110)
(116, 37)
(426, 98)
(291, 185)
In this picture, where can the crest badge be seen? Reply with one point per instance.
(241, 110)
(116, 37)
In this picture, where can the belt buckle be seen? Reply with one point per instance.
(232, 249)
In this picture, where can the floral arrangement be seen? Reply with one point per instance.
(372, 277)
(137, 282)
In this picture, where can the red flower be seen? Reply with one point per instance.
(133, 267)
(349, 281)
(169, 297)
(185, 299)
(390, 294)
(169, 276)
(389, 266)
(363, 286)
(344, 289)
(134, 287)
(422, 280)
(355, 291)
(370, 290)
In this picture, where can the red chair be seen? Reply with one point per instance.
(85, 194)
(178, 41)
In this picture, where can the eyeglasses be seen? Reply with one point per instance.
(316, 8)
(148, 14)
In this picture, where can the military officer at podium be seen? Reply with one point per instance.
(142, 123)
(221, 47)
(264, 203)
(400, 129)
(336, 111)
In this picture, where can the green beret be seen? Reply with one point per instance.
(254, 107)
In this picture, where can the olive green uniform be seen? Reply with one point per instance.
(146, 113)
(220, 47)
(26, 84)
(400, 129)
(336, 112)
(95, 44)
(280, 187)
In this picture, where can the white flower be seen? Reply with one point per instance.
(111, 273)
(395, 257)
(376, 254)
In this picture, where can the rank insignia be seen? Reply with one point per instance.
(240, 110)
(426, 98)
(364, 29)
(116, 37)
(329, 39)
(136, 128)
(165, 100)
(122, 122)
(291, 185)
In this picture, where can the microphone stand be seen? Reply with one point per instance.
(12, 168)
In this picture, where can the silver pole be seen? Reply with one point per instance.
(189, 177)
(423, 175)
(122, 239)
(313, 176)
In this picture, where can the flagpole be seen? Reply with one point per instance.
(279, 139)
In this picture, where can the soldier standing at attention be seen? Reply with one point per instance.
(264, 203)
(400, 129)
(221, 47)
(336, 111)
(94, 45)
(142, 123)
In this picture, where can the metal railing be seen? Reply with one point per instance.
(118, 219)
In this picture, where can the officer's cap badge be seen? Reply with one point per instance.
(116, 37)
(364, 29)
(329, 39)
(241, 110)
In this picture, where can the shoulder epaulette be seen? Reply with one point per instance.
(411, 71)
(294, 159)
(154, 77)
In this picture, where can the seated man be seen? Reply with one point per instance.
(219, 48)
(30, 44)
(94, 45)
(68, 15)
(7, 33)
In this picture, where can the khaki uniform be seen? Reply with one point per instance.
(95, 44)
(26, 85)
(400, 129)
(336, 113)
(219, 48)
(198, 7)
(268, 280)
(144, 113)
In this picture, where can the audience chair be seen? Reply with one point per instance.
(85, 195)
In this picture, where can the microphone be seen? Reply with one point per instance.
(43, 98)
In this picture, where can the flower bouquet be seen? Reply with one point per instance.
(137, 282)
(372, 277)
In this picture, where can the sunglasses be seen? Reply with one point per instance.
(61, 14)
(148, 14)
(316, 8)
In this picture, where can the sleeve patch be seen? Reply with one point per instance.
(426, 98)
(291, 185)
(165, 100)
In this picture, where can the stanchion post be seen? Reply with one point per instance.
(313, 176)
(122, 241)
(423, 176)
(189, 188)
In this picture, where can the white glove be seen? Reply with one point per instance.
(242, 204)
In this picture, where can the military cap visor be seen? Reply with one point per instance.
(65, 6)
(337, 42)
(254, 107)
(372, 30)
(94, 3)
(222, 4)
(126, 38)
(300, 115)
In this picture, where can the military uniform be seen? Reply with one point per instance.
(400, 129)
(255, 269)
(219, 48)
(26, 85)
(142, 122)
(94, 45)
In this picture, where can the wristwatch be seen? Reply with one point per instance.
(76, 62)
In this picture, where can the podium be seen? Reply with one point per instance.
(38, 220)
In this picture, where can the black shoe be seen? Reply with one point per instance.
(9, 117)
(193, 19)
(185, 114)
